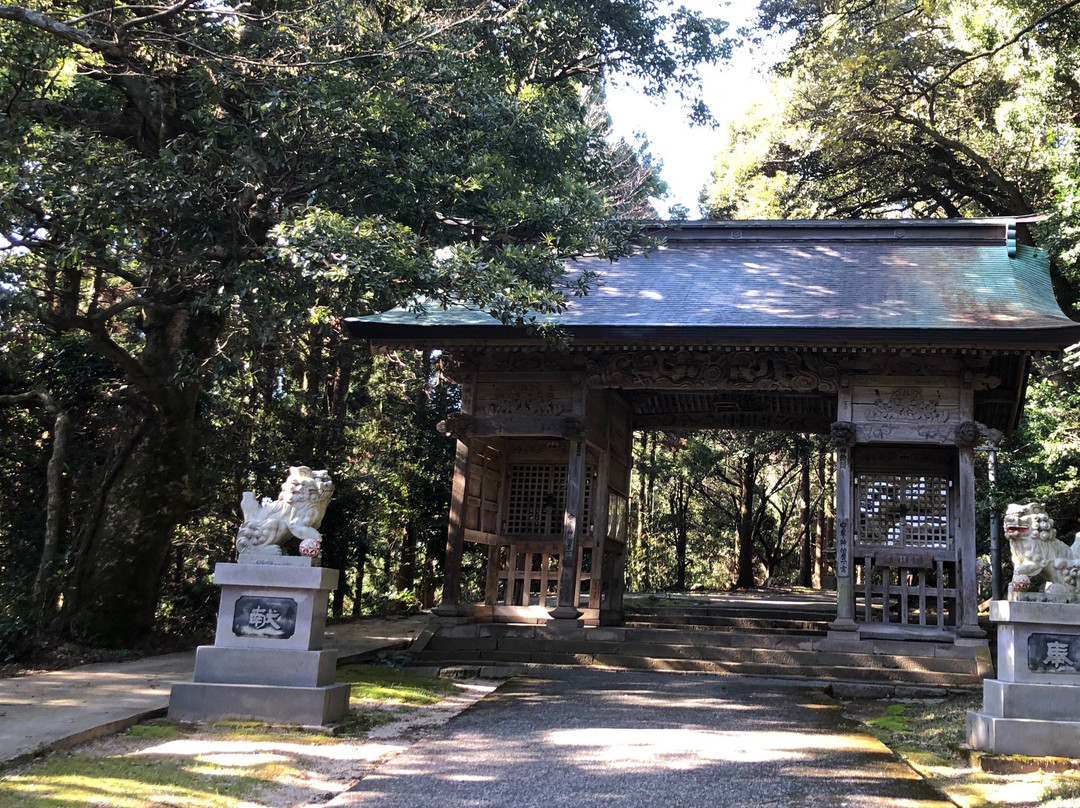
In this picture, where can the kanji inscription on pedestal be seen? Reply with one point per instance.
(258, 616)
(1054, 653)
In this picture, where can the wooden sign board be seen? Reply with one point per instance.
(900, 558)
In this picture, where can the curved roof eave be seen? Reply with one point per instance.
(1027, 339)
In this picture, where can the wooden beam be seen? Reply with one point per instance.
(480, 537)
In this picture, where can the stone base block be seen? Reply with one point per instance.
(1023, 736)
(265, 666)
(1035, 701)
(311, 706)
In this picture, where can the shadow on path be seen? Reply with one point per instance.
(619, 739)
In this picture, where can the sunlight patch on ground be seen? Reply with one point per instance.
(244, 752)
(649, 700)
(688, 748)
(94, 791)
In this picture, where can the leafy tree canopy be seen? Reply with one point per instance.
(942, 108)
(196, 192)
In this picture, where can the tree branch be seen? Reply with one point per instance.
(165, 13)
(62, 30)
(121, 305)
(1007, 188)
(1027, 29)
(32, 397)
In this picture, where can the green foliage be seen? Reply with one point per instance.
(926, 727)
(687, 508)
(911, 109)
(197, 196)
(894, 720)
(1064, 788)
(1039, 461)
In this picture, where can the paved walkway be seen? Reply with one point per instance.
(62, 708)
(628, 740)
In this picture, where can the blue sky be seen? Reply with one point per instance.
(687, 151)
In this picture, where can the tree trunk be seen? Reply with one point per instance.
(361, 563)
(140, 499)
(405, 580)
(745, 578)
(55, 497)
(806, 555)
(679, 505)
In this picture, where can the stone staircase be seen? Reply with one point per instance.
(776, 643)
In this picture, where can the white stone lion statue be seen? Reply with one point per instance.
(1037, 553)
(298, 511)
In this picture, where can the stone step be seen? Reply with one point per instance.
(733, 624)
(719, 617)
(789, 657)
(794, 656)
(777, 612)
(815, 673)
(689, 636)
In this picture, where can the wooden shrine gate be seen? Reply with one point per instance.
(908, 342)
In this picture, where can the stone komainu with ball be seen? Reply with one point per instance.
(298, 511)
(1038, 555)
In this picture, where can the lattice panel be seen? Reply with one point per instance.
(908, 596)
(903, 511)
(536, 499)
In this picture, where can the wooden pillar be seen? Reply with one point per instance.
(967, 622)
(845, 593)
(599, 517)
(619, 590)
(491, 579)
(455, 537)
(599, 522)
(568, 561)
(968, 596)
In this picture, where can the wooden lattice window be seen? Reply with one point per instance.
(536, 499)
(903, 511)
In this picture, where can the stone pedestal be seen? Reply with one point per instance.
(1033, 707)
(267, 661)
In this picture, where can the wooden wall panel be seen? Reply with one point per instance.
(522, 395)
(906, 400)
(483, 488)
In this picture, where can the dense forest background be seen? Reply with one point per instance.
(193, 195)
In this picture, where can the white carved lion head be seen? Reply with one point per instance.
(1029, 521)
(305, 485)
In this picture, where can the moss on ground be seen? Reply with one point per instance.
(120, 774)
(122, 781)
(930, 734)
(379, 683)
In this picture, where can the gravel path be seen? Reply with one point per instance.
(617, 739)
